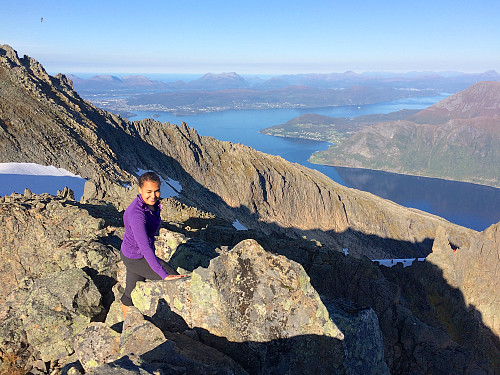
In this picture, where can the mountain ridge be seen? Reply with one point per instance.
(262, 191)
(457, 138)
(296, 211)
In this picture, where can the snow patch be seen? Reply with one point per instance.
(238, 225)
(346, 251)
(168, 188)
(32, 169)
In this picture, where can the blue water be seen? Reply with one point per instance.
(15, 183)
(470, 205)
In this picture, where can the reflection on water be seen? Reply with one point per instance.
(471, 205)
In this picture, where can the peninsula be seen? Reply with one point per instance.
(457, 139)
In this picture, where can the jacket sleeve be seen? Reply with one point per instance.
(146, 245)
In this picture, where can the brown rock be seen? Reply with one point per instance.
(258, 308)
(97, 344)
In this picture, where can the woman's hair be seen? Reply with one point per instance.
(149, 176)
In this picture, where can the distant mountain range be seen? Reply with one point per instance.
(457, 138)
(219, 92)
(448, 81)
(436, 320)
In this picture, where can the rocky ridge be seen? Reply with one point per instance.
(234, 181)
(265, 193)
(222, 310)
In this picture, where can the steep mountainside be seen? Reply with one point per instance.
(43, 120)
(291, 210)
(457, 138)
(262, 191)
(481, 100)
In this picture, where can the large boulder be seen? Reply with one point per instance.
(183, 253)
(258, 308)
(57, 308)
(363, 338)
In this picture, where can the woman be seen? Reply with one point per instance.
(142, 221)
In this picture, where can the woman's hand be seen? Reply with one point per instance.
(174, 277)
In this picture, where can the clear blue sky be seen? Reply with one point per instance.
(256, 36)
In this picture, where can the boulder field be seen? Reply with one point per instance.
(253, 303)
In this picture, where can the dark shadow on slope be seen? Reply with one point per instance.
(304, 354)
(411, 339)
(435, 302)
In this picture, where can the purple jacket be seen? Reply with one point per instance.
(141, 225)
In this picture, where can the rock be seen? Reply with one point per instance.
(15, 353)
(115, 315)
(459, 293)
(97, 344)
(193, 254)
(143, 348)
(412, 342)
(58, 307)
(66, 193)
(475, 270)
(201, 359)
(73, 371)
(140, 337)
(174, 211)
(133, 365)
(363, 338)
(42, 234)
(167, 243)
(258, 308)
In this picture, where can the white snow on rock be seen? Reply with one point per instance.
(33, 169)
(239, 226)
(169, 188)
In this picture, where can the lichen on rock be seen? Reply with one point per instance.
(250, 298)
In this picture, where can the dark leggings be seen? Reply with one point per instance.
(139, 270)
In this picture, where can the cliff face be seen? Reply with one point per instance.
(262, 191)
(271, 194)
(474, 271)
(456, 289)
(279, 201)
